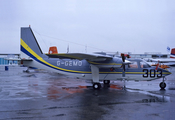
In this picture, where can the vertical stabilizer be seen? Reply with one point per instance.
(29, 44)
(172, 53)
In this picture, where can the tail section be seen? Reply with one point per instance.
(172, 53)
(29, 45)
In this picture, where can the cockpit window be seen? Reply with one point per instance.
(133, 65)
(144, 65)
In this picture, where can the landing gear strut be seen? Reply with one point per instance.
(96, 86)
(162, 84)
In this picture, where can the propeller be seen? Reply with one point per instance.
(128, 56)
(123, 65)
(125, 62)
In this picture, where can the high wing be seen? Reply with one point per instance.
(80, 56)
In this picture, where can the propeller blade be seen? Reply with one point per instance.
(128, 56)
(157, 65)
(123, 57)
(123, 73)
(124, 68)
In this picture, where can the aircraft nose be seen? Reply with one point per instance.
(167, 72)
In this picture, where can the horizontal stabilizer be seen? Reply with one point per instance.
(27, 59)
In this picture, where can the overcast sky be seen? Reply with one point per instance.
(135, 26)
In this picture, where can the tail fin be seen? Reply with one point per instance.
(172, 53)
(29, 45)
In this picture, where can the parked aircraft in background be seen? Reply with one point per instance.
(164, 61)
(96, 67)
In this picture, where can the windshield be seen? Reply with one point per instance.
(144, 64)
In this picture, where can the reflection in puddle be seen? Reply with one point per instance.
(171, 88)
(73, 90)
(154, 97)
(116, 87)
(56, 92)
(53, 93)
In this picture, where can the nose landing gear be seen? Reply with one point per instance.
(162, 84)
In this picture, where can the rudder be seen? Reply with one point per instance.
(29, 44)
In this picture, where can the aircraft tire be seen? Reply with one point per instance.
(106, 81)
(96, 86)
(162, 85)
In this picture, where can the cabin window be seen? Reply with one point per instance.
(144, 65)
(133, 65)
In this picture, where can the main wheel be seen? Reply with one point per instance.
(106, 81)
(162, 85)
(96, 86)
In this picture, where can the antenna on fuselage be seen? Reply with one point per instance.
(86, 48)
(68, 48)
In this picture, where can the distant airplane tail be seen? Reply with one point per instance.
(53, 50)
(172, 53)
(29, 45)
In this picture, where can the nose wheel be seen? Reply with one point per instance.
(163, 84)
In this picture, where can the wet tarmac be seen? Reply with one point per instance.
(41, 95)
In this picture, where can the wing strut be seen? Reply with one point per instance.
(95, 77)
(95, 73)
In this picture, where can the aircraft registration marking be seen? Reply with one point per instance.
(70, 63)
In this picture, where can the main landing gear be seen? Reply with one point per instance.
(106, 82)
(97, 86)
(163, 84)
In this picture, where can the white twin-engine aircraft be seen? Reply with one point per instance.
(96, 67)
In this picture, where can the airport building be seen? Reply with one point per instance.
(4, 59)
(150, 55)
